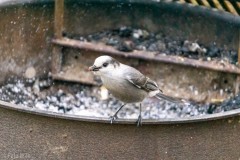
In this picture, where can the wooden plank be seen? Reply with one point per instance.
(218, 5)
(230, 7)
(205, 3)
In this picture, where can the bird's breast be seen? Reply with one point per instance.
(123, 90)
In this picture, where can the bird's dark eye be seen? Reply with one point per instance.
(105, 64)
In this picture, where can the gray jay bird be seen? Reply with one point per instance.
(126, 83)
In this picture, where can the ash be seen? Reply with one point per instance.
(128, 39)
(77, 99)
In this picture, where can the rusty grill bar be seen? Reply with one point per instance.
(58, 28)
(151, 56)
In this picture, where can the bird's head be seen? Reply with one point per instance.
(104, 65)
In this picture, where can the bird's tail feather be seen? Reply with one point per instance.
(168, 98)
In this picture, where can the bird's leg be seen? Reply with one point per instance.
(139, 121)
(114, 117)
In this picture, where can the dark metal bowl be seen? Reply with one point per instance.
(26, 133)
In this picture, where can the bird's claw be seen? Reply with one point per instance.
(113, 118)
(139, 121)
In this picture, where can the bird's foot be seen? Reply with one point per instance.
(113, 118)
(139, 121)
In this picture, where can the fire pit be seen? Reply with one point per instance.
(47, 94)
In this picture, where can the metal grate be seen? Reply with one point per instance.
(68, 74)
(231, 6)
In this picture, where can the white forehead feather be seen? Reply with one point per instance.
(102, 59)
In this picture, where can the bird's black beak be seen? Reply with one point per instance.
(94, 68)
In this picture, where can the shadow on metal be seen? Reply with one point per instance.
(50, 136)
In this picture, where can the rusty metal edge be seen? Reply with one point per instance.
(195, 119)
(58, 28)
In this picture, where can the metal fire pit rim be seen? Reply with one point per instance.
(186, 7)
(44, 113)
(11, 3)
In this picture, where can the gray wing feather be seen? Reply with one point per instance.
(140, 81)
(131, 80)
